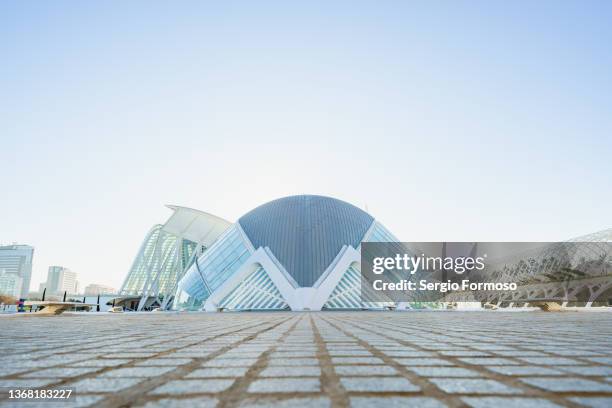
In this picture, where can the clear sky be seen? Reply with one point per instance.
(449, 120)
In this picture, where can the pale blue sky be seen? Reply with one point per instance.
(449, 120)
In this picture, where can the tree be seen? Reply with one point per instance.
(7, 300)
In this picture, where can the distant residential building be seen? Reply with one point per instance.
(16, 266)
(95, 290)
(61, 279)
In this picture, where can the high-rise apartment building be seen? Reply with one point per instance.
(61, 279)
(16, 269)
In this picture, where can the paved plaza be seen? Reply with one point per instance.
(278, 359)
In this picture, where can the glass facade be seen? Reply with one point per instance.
(380, 234)
(256, 292)
(213, 268)
(347, 294)
(159, 264)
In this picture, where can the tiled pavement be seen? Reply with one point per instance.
(358, 359)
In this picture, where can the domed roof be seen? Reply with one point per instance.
(306, 232)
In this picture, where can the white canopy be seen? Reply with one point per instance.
(195, 225)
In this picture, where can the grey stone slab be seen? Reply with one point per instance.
(293, 354)
(130, 354)
(61, 372)
(299, 371)
(444, 372)
(349, 353)
(593, 402)
(356, 360)
(551, 361)
(230, 362)
(139, 372)
(395, 402)
(103, 385)
(407, 353)
(179, 387)
(488, 402)
(488, 361)
(294, 362)
(160, 362)
(465, 353)
(567, 384)
(100, 363)
(215, 372)
(26, 383)
(423, 362)
(473, 386)
(600, 360)
(284, 385)
(314, 402)
(367, 370)
(198, 402)
(5, 371)
(600, 371)
(525, 370)
(378, 384)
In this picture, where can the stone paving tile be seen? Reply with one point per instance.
(180, 387)
(60, 372)
(488, 402)
(231, 362)
(316, 402)
(407, 353)
(279, 359)
(103, 384)
(395, 402)
(280, 371)
(381, 384)
(473, 386)
(228, 372)
(100, 363)
(600, 360)
(525, 370)
(26, 383)
(5, 371)
(465, 353)
(489, 361)
(295, 362)
(588, 371)
(551, 361)
(444, 372)
(593, 402)
(371, 370)
(423, 362)
(139, 372)
(199, 402)
(172, 362)
(568, 384)
(283, 385)
(356, 360)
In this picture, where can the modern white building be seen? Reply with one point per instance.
(167, 252)
(294, 253)
(95, 289)
(16, 268)
(61, 279)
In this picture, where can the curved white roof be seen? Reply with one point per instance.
(195, 225)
